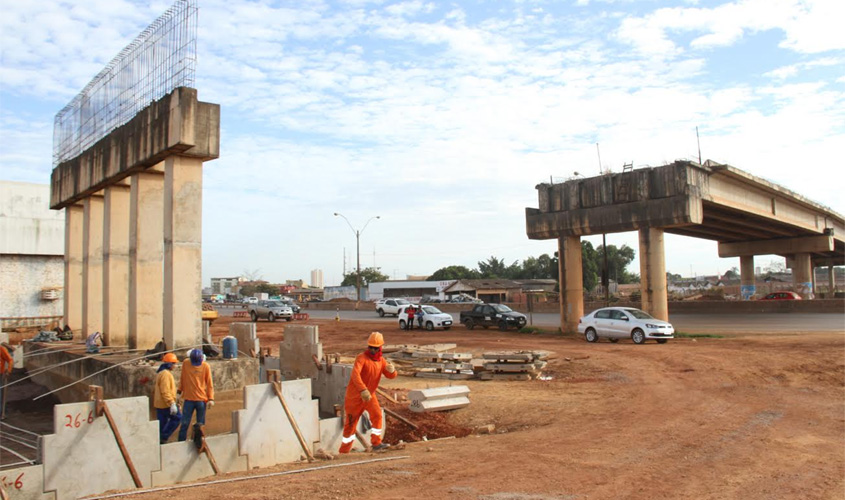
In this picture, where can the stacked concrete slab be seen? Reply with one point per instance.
(301, 344)
(522, 365)
(439, 398)
(247, 337)
(445, 365)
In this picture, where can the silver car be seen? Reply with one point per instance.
(614, 323)
(270, 309)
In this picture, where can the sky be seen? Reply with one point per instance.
(442, 117)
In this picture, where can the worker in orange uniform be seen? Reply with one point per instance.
(164, 399)
(360, 393)
(6, 363)
(197, 390)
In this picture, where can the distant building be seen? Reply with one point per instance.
(296, 283)
(224, 286)
(317, 278)
(32, 247)
(410, 289)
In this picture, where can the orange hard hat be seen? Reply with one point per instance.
(169, 358)
(376, 339)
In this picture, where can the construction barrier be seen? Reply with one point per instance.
(300, 316)
(240, 314)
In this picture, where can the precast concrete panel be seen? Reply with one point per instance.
(266, 435)
(301, 343)
(26, 483)
(181, 462)
(247, 336)
(84, 442)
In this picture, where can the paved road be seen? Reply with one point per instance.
(686, 323)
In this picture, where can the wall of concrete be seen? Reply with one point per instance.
(27, 225)
(22, 278)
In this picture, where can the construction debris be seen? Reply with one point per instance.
(518, 365)
(439, 398)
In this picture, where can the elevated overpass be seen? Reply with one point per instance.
(745, 214)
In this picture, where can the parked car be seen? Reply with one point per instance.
(270, 309)
(487, 315)
(782, 296)
(432, 318)
(390, 306)
(616, 323)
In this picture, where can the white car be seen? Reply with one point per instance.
(390, 306)
(432, 318)
(616, 323)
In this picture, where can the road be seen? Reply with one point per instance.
(783, 323)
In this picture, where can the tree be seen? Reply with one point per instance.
(249, 289)
(254, 275)
(732, 273)
(368, 275)
(495, 268)
(453, 273)
(589, 266)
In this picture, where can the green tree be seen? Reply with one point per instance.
(618, 260)
(732, 273)
(589, 266)
(496, 268)
(249, 289)
(453, 273)
(368, 275)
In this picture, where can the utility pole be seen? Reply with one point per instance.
(358, 251)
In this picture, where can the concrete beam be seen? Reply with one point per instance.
(92, 265)
(680, 210)
(175, 124)
(116, 266)
(146, 260)
(74, 216)
(655, 298)
(780, 246)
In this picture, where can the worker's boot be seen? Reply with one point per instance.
(380, 446)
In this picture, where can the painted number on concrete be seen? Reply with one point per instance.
(76, 422)
(18, 484)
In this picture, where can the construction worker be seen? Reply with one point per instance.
(197, 390)
(360, 393)
(164, 399)
(6, 363)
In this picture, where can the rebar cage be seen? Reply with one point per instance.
(162, 58)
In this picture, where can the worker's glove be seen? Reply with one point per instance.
(390, 368)
(174, 409)
(365, 395)
(210, 403)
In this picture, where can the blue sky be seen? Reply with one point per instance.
(441, 117)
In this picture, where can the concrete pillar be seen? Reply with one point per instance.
(92, 265)
(116, 266)
(571, 283)
(748, 282)
(802, 278)
(831, 282)
(74, 215)
(653, 273)
(146, 257)
(182, 251)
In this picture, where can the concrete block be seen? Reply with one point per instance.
(266, 435)
(510, 367)
(421, 406)
(438, 392)
(247, 337)
(83, 442)
(446, 376)
(180, 462)
(296, 351)
(26, 483)
(505, 376)
(270, 363)
(330, 388)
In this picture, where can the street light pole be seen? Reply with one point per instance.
(357, 249)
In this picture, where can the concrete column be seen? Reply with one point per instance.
(571, 283)
(74, 215)
(802, 278)
(146, 257)
(182, 251)
(653, 273)
(748, 282)
(116, 266)
(92, 265)
(831, 281)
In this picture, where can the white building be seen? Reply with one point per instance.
(223, 286)
(408, 289)
(317, 278)
(32, 247)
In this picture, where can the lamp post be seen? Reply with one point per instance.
(357, 249)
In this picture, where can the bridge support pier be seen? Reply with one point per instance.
(92, 265)
(74, 215)
(146, 255)
(802, 275)
(655, 299)
(571, 283)
(831, 282)
(116, 266)
(748, 282)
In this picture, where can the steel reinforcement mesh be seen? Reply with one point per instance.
(162, 58)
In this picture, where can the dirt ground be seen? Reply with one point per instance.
(745, 416)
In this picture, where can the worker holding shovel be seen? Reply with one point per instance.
(164, 398)
(360, 393)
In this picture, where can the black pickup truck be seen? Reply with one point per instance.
(488, 315)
